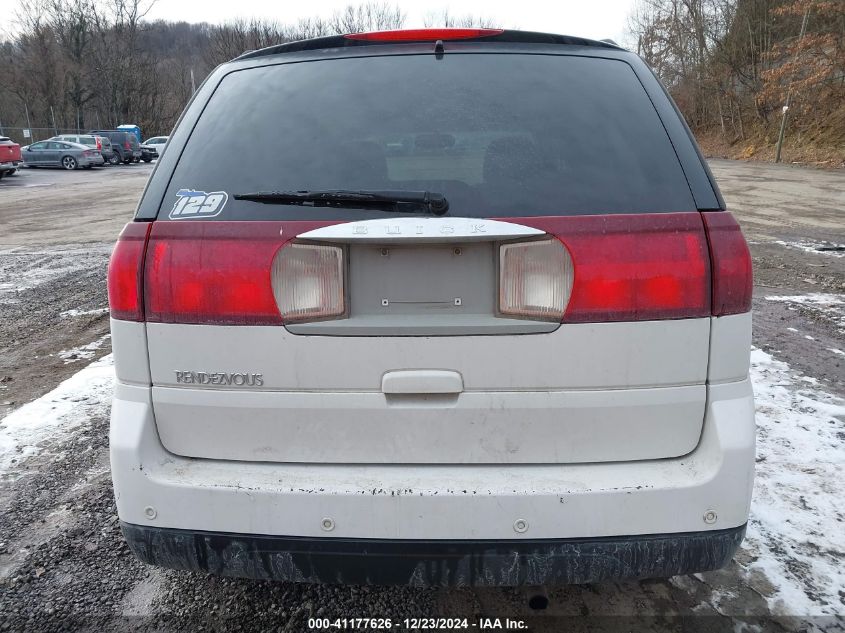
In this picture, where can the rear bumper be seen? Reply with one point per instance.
(708, 489)
(434, 563)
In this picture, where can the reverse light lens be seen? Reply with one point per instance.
(308, 282)
(422, 35)
(535, 279)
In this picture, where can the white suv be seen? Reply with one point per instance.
(454, 307)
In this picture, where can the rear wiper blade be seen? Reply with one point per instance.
(434, 203)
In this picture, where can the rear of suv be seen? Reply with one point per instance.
(456, 307)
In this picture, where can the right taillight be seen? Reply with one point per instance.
(308, 282)
(731, 263)
(637, 267)
(535, 279)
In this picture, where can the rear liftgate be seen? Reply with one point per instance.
(432, 340)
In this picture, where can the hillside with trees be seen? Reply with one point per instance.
(731, 66)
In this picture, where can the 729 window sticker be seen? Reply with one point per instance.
(193, 205)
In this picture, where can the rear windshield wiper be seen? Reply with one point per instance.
(434, 203)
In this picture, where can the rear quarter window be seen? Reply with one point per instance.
(500, 135)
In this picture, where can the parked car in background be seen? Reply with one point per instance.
(152, 147)
(125, 145)
(10, 156)
(100, 143)
(51, 153)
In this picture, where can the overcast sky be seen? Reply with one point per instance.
(597, 19)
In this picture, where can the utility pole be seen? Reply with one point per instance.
(789, 92)
(53, 114)
(193, 83)
(28, 122)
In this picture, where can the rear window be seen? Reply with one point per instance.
(500, 135)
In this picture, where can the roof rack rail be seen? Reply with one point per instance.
(342, 41)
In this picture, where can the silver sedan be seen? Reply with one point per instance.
(61, 154)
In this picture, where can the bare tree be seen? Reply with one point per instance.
(445, 19)
(370, 16)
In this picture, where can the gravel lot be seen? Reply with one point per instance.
(63, 564)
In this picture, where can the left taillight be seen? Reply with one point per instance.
(211, 273)
(125, 274)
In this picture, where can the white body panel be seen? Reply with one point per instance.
(477, 427)
(156, 488)
(437, 502)
(582, 393)
(575, 356)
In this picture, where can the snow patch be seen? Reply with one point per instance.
(78, 313)
(795, 534)
(826, 306)
(24, 269)
(48, 421)
(83, 352)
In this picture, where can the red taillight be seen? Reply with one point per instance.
(634, 267)
(126, 267)
(423, 35)
(614, 268)
(215, 272)
(731, 262)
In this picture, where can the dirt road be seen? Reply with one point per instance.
(62, 559)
